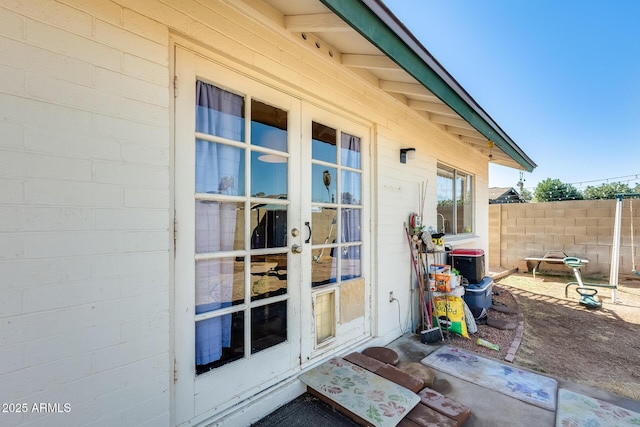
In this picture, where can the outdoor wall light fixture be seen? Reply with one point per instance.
(407, 153)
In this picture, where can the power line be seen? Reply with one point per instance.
(580, 185)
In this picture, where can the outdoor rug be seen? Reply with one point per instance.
(577, 410)
(367, 395)
(507, 379)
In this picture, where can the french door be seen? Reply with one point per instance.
(237, 242)
(271, 253)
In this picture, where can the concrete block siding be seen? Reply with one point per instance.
(582, 228)
(84, 230)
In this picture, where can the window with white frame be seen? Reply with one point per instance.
(455, 201)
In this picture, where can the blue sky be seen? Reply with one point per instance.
(562, 78)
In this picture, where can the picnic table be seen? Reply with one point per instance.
(552, 257)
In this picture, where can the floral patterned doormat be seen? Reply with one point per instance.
(365, 394)
(576, 410)
(507, 379)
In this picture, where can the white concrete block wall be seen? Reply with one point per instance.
(85, 214)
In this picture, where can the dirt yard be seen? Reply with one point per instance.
(563, 339)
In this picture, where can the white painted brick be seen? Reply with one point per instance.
(133, 265)
(48, 376)
(107, 410)
(12, 190)
(71, 94)
(60, 41)
(131, 219)
(113, 127)
(143, 241)
(76, 144)
(126, 41)
(57, 15)
(143, 373)
(141, 90)
(67, 243)
(139, 306)
(64, 295)
(11, 246)
(160, 420)
(33, 165)
(131, 174)
(31, 112)
(151, 283)
(68, 193)
(105, 10)
(12, 358)
(143, 69)
(152, 155)
(44, 271)
(49, 349)
(145, 112)
(11, 135)
(13, 81)
(142, 412)
(113, 357)
(40, 61)
(139, 327)
(34, 218)
(146, 198)
(33, 326)
(87, 389)
(11, 218)
(145, 27)
(11, 302)
(11, 24)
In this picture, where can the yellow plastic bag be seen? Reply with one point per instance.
(450, 312)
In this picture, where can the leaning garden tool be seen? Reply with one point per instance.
(431, 334)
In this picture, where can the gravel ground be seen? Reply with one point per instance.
(503, 338)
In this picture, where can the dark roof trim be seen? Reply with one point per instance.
(375, 22)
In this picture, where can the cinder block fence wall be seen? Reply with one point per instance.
(581, 228)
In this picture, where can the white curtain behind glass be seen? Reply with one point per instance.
(219, 113)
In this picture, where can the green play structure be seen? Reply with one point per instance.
(587, 291)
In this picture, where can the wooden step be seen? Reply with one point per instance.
(424, 416)
(445, 405)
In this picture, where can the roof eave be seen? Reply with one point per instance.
(375, 22)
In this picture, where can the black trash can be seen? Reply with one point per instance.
(470, 264)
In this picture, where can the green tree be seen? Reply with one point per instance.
(526, 194)
(606, 191)
(553, 190)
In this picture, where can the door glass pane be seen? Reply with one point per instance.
(219, 283)
(269, 222)
(351, 188)
(350, 151)
(219, 169)
(323, 266)
(323, 143)
(323, 184)
(268, 175)
(219, 340)
(323, 225)
(219, 112)
(219, 226)
(268, 325)
(268, 276)
(268, 126)
(351, 267)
